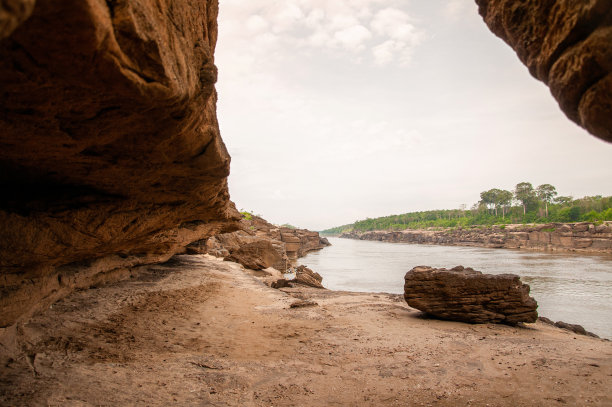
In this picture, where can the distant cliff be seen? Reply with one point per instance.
(582, 237)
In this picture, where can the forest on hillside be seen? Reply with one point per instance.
(525, 204)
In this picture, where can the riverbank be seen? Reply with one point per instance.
(583, 237)
(570, 287)
(260, 244)
(202, 331)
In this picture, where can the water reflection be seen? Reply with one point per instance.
(568, 287)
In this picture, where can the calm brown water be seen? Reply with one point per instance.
(568, 287)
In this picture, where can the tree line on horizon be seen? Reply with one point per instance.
(525, 204)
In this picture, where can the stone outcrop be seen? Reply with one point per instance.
(110, 153)
(575, 328)
(305, 276)
(466, 295)
(566, 45)
(280, 283)
(288, 243)
(583, 237)
(258, 255)
(298, 242)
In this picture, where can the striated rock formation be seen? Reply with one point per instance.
(258, 255)
(467, 295)
(110, 153)
(583, 237)
(305, 276)
(290, 244)
(567, 45)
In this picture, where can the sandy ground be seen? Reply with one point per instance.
(199, 331)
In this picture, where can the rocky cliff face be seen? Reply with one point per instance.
(582, 237)
(565, 44)
(110, 154)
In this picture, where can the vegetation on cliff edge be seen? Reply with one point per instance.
(525, 204)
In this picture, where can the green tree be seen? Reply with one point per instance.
(487, 198)
(564, 200)
(503, 199)
(525, 194)
(546, 193)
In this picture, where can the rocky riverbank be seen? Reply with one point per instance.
(584, 237)
(259, 244)
(201, 331)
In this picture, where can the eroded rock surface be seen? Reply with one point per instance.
(466, 295)
(582, 237)
(566, 44)
(305, 276)
(258, 255)
(575, 328)
(110, 153)
(288, 243)
(13, 13)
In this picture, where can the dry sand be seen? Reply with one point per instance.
(199, 331)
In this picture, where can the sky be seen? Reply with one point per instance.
(335, 111)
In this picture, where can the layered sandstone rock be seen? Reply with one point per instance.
(110, 153)
(258, 255)
(289, 243)
(305, 276)
(467, 295)
(567, 45)
(583, 237)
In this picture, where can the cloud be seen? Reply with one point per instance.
(353, 38)
(385, 52)
(355, 29)
(455, 9)
(403, 36)
(257, 24)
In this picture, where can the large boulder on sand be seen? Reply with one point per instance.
(467, 295)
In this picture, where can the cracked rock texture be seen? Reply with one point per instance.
(566, 44)
(466, 295)
(110, 153)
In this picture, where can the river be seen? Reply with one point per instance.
(569, 287)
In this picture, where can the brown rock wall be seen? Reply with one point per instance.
(109, 142)
(565, 44)
(257, 255)
(12, 14)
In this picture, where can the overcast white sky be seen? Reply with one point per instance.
(335, 111)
